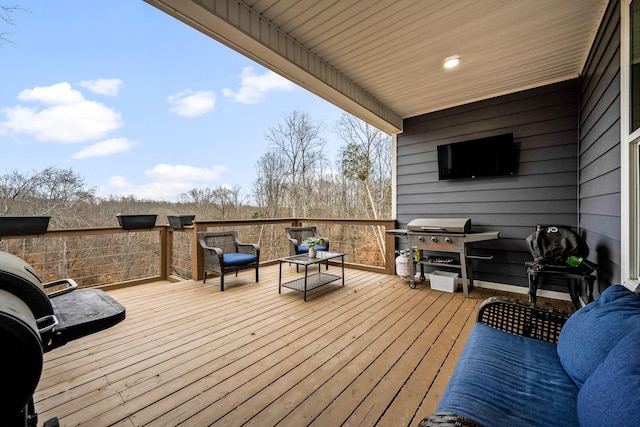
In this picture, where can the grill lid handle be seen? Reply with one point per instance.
(69, 283)
(46, 324)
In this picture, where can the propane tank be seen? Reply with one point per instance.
(403, 264)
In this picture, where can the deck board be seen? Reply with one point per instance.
(372, 352)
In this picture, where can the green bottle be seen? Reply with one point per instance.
(580, 263)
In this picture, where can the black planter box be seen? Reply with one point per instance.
(23, 225)
(136, 222)
(179, 221)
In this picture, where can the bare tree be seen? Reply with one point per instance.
(62, 189)
(365, 160)
(15, 187)
(298, 139)
(223, 199)
(270, 186)
(6, 18)
(226, 200)
(52, 192)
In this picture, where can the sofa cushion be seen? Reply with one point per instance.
(591, 332)
(611, 395)
(502, 379)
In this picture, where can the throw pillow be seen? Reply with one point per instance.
(611, 395)
(591, 332)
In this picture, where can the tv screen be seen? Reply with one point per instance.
(484, 157)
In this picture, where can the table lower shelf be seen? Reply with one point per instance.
(313, 281)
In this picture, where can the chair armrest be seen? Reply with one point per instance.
(523, 318)
(446, 419)
(253, 248)
(217, 251)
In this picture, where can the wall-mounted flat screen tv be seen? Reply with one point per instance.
(484, 157)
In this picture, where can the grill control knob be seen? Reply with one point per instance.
(434, 239)
(421, 238)
(447, 239)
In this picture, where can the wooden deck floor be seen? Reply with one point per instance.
(372, 353)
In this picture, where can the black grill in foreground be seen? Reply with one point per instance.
(35, 318)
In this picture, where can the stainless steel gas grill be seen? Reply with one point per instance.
(432, 239)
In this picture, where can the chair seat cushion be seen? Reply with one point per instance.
(502, 379)
(234, 259)
(305, 249)
(591, 332)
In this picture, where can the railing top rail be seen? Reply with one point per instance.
(206, 223)
(294, 221)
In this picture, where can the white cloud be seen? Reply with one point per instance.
(166, 173)
(118, 183)
(254, 87)
(107, 87)
(160, 190)
(167, 181)
(120, 186)
(67, 116)
(59, 93)
(190, 104)
(105, 148)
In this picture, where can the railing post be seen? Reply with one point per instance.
(197, 258)
(165, 253)
(390, 249)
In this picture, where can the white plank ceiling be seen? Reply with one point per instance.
(382, 60)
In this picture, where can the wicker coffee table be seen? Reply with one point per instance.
(310, 281)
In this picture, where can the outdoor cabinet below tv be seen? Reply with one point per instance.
(477, 158)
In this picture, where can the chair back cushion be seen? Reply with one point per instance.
(611, 395)
(233, 259)
(591, 332)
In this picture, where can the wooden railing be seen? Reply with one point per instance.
(114, 257)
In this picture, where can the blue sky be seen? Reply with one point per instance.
(135, 101)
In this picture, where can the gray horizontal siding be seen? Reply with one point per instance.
(599, 153)
(544, 122)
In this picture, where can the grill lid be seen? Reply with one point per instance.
(18, 278)
(440, 225)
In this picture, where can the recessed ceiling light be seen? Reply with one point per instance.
(452, 61)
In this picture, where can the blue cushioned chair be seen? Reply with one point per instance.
(297, 235)
(223, 252)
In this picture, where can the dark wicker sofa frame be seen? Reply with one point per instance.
(516, 317)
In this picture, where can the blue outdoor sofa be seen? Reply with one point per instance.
(533, 366)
